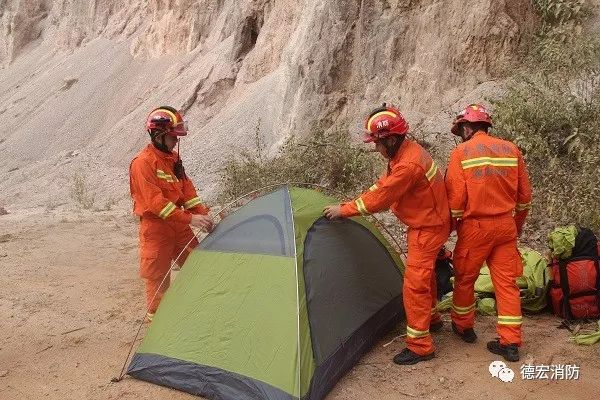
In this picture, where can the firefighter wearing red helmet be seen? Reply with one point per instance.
(165, 200)
(413, 189)
(472, 114)
(489, 195)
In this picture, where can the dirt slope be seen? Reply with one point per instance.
(78, 77)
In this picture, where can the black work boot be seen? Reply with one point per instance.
(409, 357)
(510, 352)
(436, 326)
(468, 335)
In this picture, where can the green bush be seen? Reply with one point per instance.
(327, 159)
(552, 111)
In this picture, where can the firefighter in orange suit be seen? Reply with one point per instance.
(166, 201)
(489, 194)
(413, 188)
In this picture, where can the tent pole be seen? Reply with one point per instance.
(228, 205)
(146, 311)
(299, 376)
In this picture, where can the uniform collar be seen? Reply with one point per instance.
(160, 154)
(400, 152)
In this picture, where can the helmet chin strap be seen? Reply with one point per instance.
(178, 167)
(160, 145)
(392, 149)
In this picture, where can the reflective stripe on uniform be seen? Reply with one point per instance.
(432, 171)
(192, 203)
(167, 210)
(162, 175)
(457, 213)
(523, 206)
(360, 205)
(463, 310)
(434, 311)
(495, 161)
(510, 320)
(373, 188)
(414, 333)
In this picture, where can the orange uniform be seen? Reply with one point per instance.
(414, 190)
(165, 205)
(489, 192)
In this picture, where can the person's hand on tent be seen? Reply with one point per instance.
(333, 211)
(203, 222)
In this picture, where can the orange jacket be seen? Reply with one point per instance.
(413, 189)
(156, 191)
(487, 177)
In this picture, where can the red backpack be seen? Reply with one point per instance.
(575, 282)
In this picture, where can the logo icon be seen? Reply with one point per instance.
(498, 369)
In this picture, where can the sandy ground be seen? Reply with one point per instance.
(71, 302)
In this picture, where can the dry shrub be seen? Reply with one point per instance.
(327, 159)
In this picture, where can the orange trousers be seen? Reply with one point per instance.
(162, 243)
(491, 240)
(420, 289)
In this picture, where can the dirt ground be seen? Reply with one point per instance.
(71, 301)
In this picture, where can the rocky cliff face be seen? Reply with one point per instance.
(78, 77)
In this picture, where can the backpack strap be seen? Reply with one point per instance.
(564, 285)
(597, 264)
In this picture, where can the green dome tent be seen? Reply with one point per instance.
(276, 303)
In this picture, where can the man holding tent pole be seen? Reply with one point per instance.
(165, 199)
(489, 194)
(413, 188)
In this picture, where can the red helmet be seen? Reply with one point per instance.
(473, 113)
(167, 118)
(383, 122)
